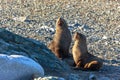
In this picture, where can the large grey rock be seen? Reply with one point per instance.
(17, 67)
(104, 78)
(14, 44)
(49, 78)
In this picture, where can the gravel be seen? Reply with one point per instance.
(98, 20)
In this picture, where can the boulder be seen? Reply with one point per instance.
(13, 44)
(49, 78)
(17, 67)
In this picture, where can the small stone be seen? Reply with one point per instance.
(92, 77)
(22, 19)
(104, 37)
(117, 42)
(106, 43)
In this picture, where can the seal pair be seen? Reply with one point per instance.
(61, 43)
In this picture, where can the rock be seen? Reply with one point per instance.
(92, 77)
(74, 77)
(22, 19)
(17, 67)
(11, 43)
(30, 19)
(49, 78)
(104, 37)
(104, 78)
(0, 7)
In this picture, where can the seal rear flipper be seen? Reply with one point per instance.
(77, 66)
(93, 66)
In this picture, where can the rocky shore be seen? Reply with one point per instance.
(98, 20)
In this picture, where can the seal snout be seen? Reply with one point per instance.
(80, 36)
(60, 21)
(77, 36)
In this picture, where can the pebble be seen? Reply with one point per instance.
(22, 19)
(104, 37)
(92, 77)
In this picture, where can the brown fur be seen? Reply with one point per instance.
(62, 39)
(84, 60)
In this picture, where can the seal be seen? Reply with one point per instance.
(61, 40)
(82, 58)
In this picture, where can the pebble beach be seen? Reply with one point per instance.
(98, 20)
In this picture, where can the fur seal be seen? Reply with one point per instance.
(82, 58)
(61, 40)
